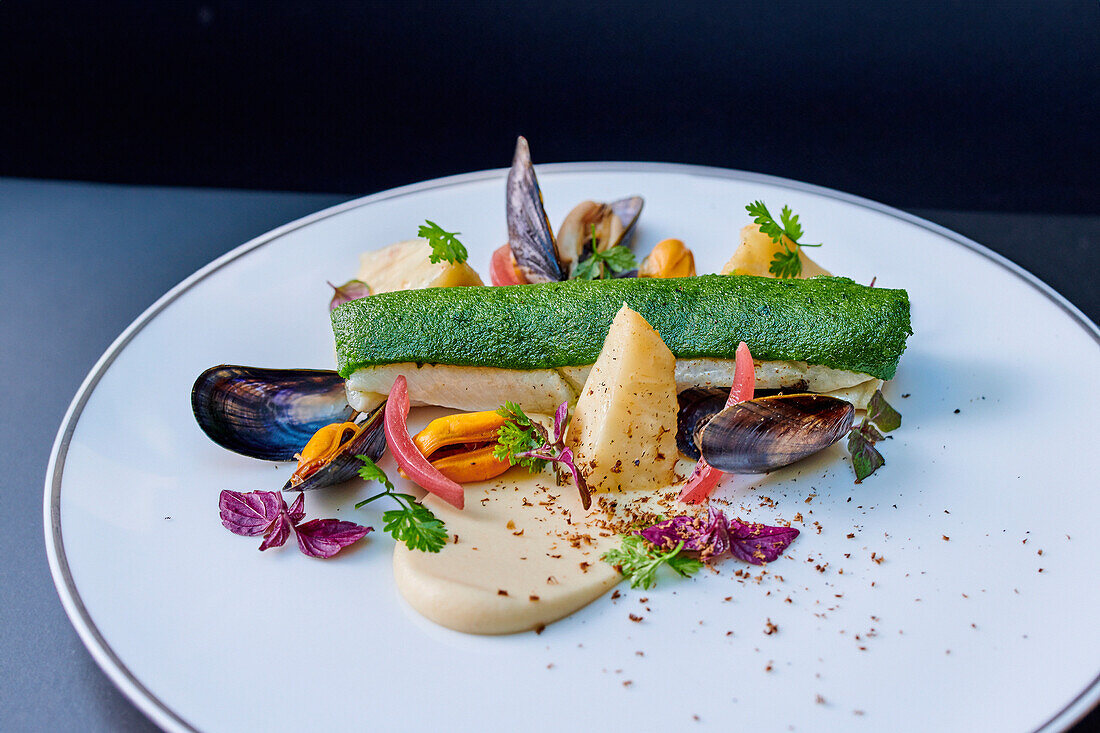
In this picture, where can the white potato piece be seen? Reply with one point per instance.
(405, 266)
(623, 430)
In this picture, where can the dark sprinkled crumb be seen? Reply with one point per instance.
(946, 538)
(729, 633)
(628, 683)
(639, 654)
(615, 595)
(906, 396)
(550, 666)
(770, 628)
(635, 618)
(819, 699)
(695, 717)
(857, 712)
(957, 411)
(770, 666)
(502, 592)
(532, 598)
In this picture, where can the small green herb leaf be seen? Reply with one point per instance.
(370, 471)
(787, 262)
(411, 523)
(882, 414)
(444, 244)
(519, 435)
(415, 525)
(639, 561)
(865, 457)
(617, 259)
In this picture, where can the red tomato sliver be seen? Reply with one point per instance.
(705, 477)
(502, 271)
(409, 459)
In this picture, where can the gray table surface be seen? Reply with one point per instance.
(81, 261)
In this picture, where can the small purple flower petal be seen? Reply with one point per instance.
(326, 537)
(759, 543)
(298, 509)
(351, 290)
(279, 533)
(250, 514)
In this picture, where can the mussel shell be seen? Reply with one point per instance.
(268, 414)
(767, 433)
(614, 224)
(628, 210)
(369, 441)
(697, 406)
(529, 233)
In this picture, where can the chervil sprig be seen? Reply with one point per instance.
(639, 561)
(597, 265)
(445, 245)
(412, 522)
(786, 262)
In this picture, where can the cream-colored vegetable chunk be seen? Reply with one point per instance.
(406, 266)
(623, 430)
(757, 250)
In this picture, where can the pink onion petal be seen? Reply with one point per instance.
(280, 532)
(252, 513)
(705, 477)
(759, 543)
(408, 456)
(298, 509)
(325, 537)
(351, 290)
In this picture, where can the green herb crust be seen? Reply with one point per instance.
(831, 321)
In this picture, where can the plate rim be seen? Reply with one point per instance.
(94, 641)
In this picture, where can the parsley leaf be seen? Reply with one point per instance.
(519, 435)
(415, 525)
(880, 418)
(412, 522)
(786, 262)
(618, 259)
(444, 244)
(639, 561)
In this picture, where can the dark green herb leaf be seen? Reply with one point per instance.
(882, 414)
(790, 223)
(370, 471)
(865, 457)
(444, 244)
(415, 525)
(617, 258)
(786, 263)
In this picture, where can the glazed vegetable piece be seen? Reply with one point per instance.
(408, 458)
(705, 477)
(408, 266)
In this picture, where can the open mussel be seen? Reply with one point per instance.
(268, 414)
(590, 226)
(529, 233)
(697, 406)
(331, 455)
(595, 227)
(767, 433)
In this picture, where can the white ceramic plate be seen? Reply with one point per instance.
(981, 616)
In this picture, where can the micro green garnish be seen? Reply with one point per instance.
(444, 244)
(639, 561)
(519, 436)
(786, 263)
(523, 442)
(412, 523)
(880, 418)
(617, 259)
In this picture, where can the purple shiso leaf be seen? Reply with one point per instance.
(559, 421)
(250, 514)
(351, 290)
(280, 532)
(710, 538)
(325, 537)
(298, 509)
(759, 543)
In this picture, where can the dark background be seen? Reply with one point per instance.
(968, 105)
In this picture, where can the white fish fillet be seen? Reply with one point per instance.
(542, 390)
